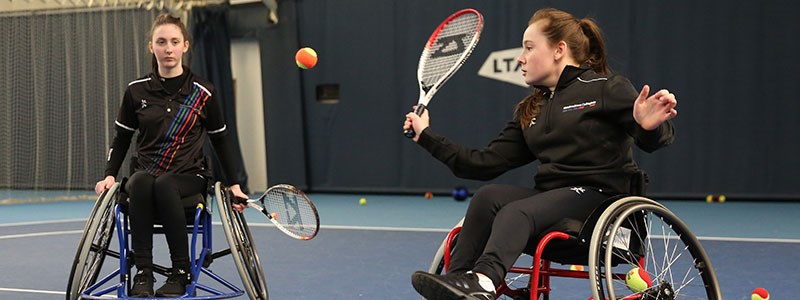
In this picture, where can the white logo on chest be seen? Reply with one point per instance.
(578, 190)
(579, 106)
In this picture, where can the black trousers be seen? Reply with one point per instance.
(151, 196)
(502, 220)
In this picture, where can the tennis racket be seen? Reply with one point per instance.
(289, 209)
(445, 52)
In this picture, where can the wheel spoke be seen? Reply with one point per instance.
(676, 264)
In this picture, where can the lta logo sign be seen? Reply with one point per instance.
(503, 65)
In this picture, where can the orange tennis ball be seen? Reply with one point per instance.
(428, 195)
(275, 216)
(576, 268)
(306, 58)
(637, 280)
(760, 294)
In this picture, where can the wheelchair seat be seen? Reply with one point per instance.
(189, 202)
(575, 249)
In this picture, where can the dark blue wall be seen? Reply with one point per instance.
(729, 63)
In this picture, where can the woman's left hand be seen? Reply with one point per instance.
(651, 111)
(237, 192)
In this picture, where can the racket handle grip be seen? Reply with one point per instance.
(410, 133)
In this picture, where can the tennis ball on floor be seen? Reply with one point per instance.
(428, 195)
(362, 201)
(576, 268)
(721, 198)
(637, 280)
(710, 198)
(760, 294)
(306, 58)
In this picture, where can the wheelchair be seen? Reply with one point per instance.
(623, 233)
(110, 214)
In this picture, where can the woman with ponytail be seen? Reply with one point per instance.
(580, 122)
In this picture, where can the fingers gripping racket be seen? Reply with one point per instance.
(445, 52)
(289, 209)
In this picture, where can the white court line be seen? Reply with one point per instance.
(42, 292)
(32, 291)
(372, 228)
(749, 240)
(346, 227)
(42, 222)
(37, 234)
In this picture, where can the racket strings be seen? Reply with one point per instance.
(293, 211)
(453, 40)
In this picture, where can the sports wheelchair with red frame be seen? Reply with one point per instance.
(623, 233)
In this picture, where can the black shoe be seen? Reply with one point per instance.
(175, 285)
(450, 286)
(143, 284)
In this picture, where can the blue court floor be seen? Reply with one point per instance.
(369, 251)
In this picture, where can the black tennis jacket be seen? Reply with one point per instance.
(173, 128)
(583, 136)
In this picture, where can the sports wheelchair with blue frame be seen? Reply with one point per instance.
(624, 234)
(110, 214)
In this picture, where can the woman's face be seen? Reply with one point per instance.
(168, 45)
(538, 58)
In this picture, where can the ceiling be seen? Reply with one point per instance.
(21, 6)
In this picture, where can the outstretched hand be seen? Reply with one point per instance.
(651, 111)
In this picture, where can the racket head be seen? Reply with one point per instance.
(291, 211)
(446, 50)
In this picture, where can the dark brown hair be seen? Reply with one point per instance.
(164, 19)
(585, 41)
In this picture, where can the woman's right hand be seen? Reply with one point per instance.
(419, 123)
(104, 184)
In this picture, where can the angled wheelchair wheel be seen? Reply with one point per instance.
(93, 247)
(518, 283)
(437, 265)
(243, 250)
(597, 245)
(643, 233)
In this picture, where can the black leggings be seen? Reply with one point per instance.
(502, 220)
(151, 196)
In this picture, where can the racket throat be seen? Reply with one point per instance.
(420, 109)
(423, 98)
(424, 89)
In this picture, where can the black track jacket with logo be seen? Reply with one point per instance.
(172, 128)
(583, 136)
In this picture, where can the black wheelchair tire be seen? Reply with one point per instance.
(604, 284)
(93, 247)
(243, 250)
